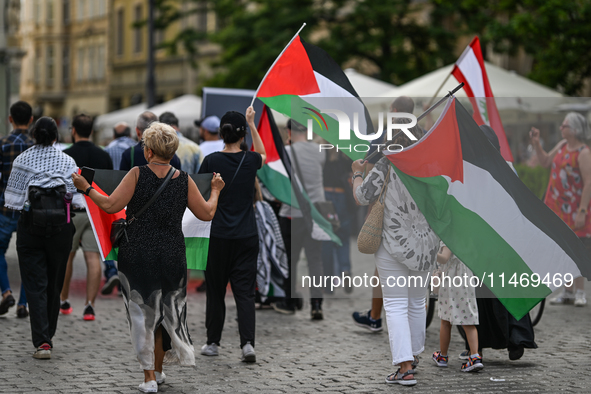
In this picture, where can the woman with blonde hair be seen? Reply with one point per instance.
(152, 260)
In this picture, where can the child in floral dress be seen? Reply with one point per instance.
(457, 305)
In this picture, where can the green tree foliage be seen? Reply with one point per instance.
(556, 33)
(252, 33)
(536, 178)
(390, 35)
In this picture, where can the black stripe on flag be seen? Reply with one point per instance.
(477, 150)
(325, 65)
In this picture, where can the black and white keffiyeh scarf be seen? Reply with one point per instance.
(41, 166)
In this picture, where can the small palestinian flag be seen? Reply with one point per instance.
(470, 70)
(196, 231)
(303, 82)
(276, 175)
(488, 218)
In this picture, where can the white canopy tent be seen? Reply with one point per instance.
(512, 91)
(187, 109)
(104, 124)
(367, 86)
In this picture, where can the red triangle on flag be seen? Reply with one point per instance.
(291, 75)
(438, 153)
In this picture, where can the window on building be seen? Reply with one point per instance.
(49, 12)
(102, 8)
(80, 9)
(37, 66)
(92, 8)
(91, 63)
(101, 62)
(37, 11)
(80, 65)
(66, 66)
(158, 33)
(202, 16)
(50, 65)
(120, 32)
(137, 41)
(66, 11)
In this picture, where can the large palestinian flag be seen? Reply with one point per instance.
(196, 231)
(303, 82)
(488, 218)
(277, 177)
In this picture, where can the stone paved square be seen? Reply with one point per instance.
(294, 354)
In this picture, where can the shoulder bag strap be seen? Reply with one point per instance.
(236, 173)
(132, 156)
(155, 196)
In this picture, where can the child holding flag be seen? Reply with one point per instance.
(457, 305)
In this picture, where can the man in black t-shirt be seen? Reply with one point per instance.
(86, 154)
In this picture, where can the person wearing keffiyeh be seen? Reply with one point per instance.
(42, 259)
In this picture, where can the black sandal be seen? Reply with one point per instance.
(399, 378)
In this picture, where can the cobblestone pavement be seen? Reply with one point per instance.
(294, 354)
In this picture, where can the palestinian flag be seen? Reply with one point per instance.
(488, 218)
(470, 69)
(196, 231)
(276, 175)
(303, 82)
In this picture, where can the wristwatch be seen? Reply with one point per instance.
(88, 189)
(356, 175)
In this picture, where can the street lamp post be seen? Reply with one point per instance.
(150, 81)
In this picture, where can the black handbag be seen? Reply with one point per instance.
(325, 208)
(119, 226)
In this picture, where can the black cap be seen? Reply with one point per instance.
(236, 119)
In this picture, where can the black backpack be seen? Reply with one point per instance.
(47, 214)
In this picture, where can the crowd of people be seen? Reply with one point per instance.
(254, 244)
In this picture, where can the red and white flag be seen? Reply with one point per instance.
(470, 69)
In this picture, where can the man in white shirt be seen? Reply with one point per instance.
(209, 133)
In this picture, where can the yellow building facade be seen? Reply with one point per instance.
(174, 73)
(65, 70)
(88, 56)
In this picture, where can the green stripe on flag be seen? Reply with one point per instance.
(294, 107)
(470, 237)
(277, 183)
(197, 249)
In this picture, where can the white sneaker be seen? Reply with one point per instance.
(210, 350)
(248, 354)
(580, 298)
(564, 297)
(148, 387)
(160, 377)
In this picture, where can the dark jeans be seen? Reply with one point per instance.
(110, 269)
(8, 225)
(296, 236)
(334, 255)
(233, 260)
(42, 262)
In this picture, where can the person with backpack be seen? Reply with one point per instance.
(40, 186)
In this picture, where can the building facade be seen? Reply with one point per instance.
(89, 56)
(174, 73)
(65, 70)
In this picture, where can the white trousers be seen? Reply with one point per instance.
(404, 305)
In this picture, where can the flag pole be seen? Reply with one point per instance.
(438, 89)
(449, 94)
(270, 68)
